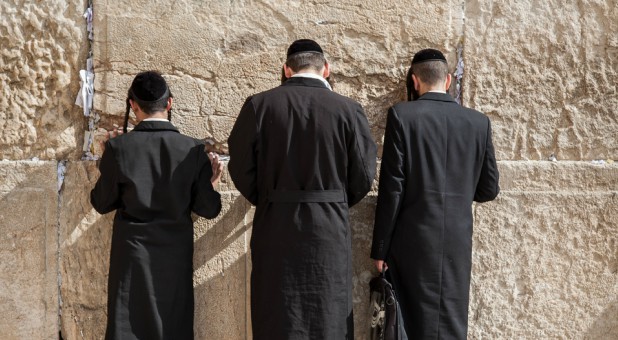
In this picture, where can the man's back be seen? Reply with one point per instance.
(302, 155)
(154, 177)
(438, 157)
(156, 170)
(307, 133)
(445, 146)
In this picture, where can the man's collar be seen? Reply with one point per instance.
(438, 96)
(155, 120)
(155, 125)
(313, 76)
(302, 81)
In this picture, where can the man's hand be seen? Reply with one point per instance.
(115, 132)
(217, 168)
(379, 264)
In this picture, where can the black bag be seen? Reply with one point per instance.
(386, 319)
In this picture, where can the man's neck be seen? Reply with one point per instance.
(308, 71)
(154, 116)
(432, 89)
(314, 75)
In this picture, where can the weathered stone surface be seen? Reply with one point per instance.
(545, 261)
(545, 256)
(85, 240)
(220, 271)
(545, 72)
(28, 249)
(215, 56)
(545, 266)
(557, 177)
(43, 48)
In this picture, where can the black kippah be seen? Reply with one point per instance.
(149, 86)
(428, 54)
(304, 45)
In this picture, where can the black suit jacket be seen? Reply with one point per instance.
(438, 157)
(302, 154)
(153, 177)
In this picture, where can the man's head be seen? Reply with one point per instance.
(305, 55)
(429, 72)
(148, 95)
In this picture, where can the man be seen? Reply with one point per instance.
(302, 155)
(438, 157)
(154, 177)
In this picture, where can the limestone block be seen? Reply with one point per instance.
(557, 177)
(215, 56)
(220, 277)
(28, 249)
(43, 48)
(545, 74)
(545, 258)
(85, 241)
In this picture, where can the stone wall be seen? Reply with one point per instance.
(545, 252)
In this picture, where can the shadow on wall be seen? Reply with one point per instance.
(221, 271)
(28, 248)
(85, 241)
(84, 267)
(606, 325)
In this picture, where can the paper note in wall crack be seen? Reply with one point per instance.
(87, 141)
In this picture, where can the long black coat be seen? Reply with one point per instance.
(302, 154)
(153, 177)
(438, 157)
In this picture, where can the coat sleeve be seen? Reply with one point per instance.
(243, 153)
(361, 160)
(205, 201)
(391, 187)
(105, 196)
(488, 187)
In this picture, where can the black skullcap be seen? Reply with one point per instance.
(149, 86)
(304, 45)
(428, 54)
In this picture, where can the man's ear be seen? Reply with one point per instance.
(170, 100)
(326, 72)
(416, 82)
(134, 105)
(447, 85)
(288, 71)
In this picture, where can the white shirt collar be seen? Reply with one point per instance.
(313, 76)
(437, 91)
(155, 120)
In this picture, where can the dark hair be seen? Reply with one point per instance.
(412, 93)
(283, 77)
(430, 72)
(304, 60)
(148, 106)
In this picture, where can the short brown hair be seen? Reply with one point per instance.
(430, 72)
(304, 60)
